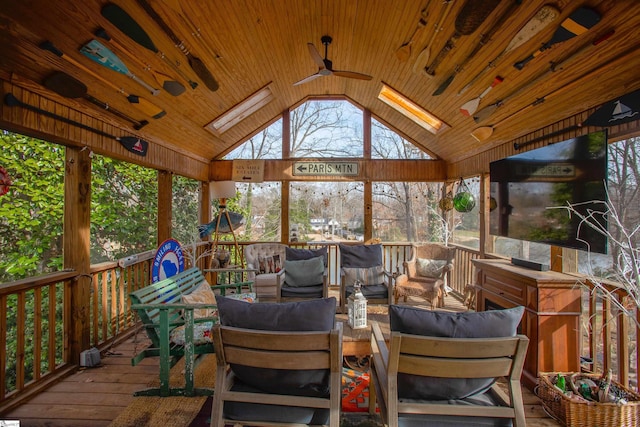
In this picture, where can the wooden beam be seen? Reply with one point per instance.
(76, 248)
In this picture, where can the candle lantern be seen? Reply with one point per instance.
(357, 308)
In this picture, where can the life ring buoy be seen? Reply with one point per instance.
(5, 181)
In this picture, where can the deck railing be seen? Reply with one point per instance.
(35, 312)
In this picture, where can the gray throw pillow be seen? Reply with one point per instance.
(485, 324)
(296, 254)
(431, 268)
(312, 315)
(304, 272)
(360, 256)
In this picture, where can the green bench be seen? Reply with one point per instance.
(159, 308)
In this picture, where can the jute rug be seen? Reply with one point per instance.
(150, 411)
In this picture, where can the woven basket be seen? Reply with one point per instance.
(587, 414)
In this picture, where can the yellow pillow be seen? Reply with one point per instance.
(202, 295)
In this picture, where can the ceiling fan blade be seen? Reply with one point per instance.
(316, 55)
(352, 75)
(308, 79)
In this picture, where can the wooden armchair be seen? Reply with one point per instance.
(429, 380)
(425, 273)
(304, 275)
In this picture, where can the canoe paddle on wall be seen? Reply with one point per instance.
(99, 53)
(470, 107)
(131, 143)
(142, 104)
(125, 23)
(423, 57)
(404, 52)
(65, 85)
(579, 22)
(171, 86)
(542, 19)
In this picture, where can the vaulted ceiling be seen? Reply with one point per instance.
(247, 45)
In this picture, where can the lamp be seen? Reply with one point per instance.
(357, 308)
(224, 190)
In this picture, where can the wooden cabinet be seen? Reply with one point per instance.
(552, 312)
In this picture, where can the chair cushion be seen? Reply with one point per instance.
(304, 272)
(368, 276)
(302, 292)
(360, 255)
(485, 324)
(370, 291)
(203, 294)
(312, 315)
(297, 254)
(430, 267)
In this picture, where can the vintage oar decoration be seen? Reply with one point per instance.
(131, 143)
(484, 39)
(404, 52)
(171, 86)
(484, 132)
(470, 107)
(470, 17)
(139, 102)
(423, 57)
(542, 19)
(65, 85)
(100, 54)
(579, 22)
(487, 111)
(125, 23)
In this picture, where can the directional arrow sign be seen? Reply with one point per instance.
(325, 168)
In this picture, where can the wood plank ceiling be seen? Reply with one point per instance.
(247, 44)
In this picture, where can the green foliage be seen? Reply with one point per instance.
(31, 213)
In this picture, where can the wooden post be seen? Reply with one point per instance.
(165, 201)
(368, 187)
(285, 185)
(486, 242)
(76, 249)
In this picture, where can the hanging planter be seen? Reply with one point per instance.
(464, 200)
(446, 203)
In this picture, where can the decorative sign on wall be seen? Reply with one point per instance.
(248, 170)
(169, 261)
(325, 168)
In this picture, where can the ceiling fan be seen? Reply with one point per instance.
(325, 66)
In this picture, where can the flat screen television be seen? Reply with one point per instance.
(526, 187)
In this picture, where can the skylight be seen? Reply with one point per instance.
(242, 110)
(411, 110)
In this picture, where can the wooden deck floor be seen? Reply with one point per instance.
(95, 396)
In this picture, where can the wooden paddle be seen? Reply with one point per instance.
(65, 85)
(196, 64)
(484, 39)
(125, 23)
(487, 111)
(484, 132)
(404, 52)
(423, 57)
(142, 104)
(470, 107)
(131, 143)
(470, 17)
(171, 86)
(99, 53)
(543, 18)
(579, 22)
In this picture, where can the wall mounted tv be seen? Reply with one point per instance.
(525, 186)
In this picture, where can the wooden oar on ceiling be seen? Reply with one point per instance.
(542, 19)
(469, 19)
(404, 52)
(579, 22)
(423, 57)
(485, 132)
(133, 144)
(100, 54)
(65, 85)
(487, 111)
(141, 103)
(196, 64)
(484, 39)
(171, 86)
(125, 23)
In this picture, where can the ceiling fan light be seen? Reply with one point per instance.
(411, 110)
(241, 110)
